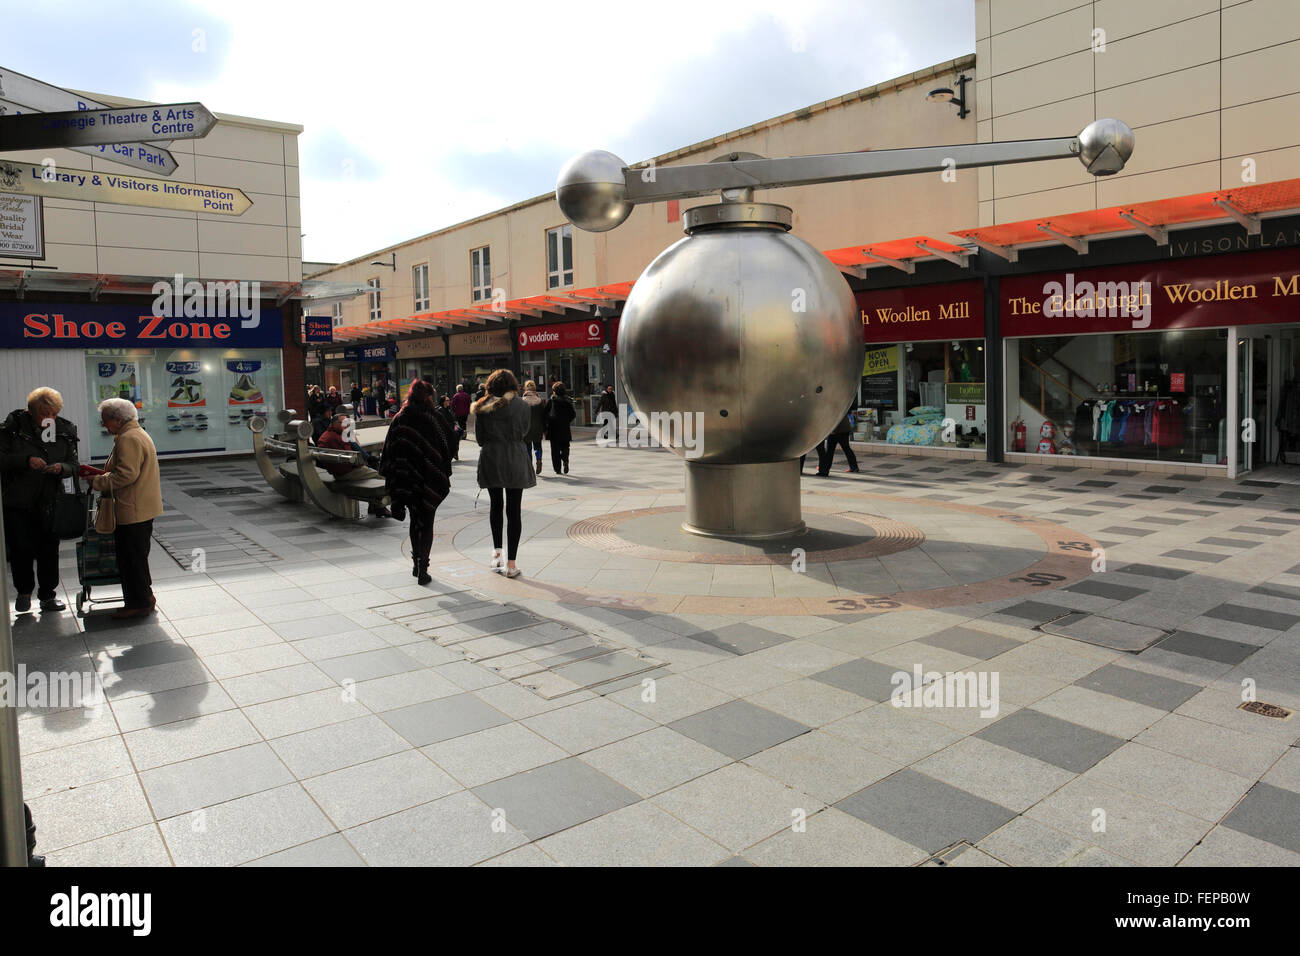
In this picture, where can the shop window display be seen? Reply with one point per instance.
(190, 401)
(924, 393)
(1153, 396)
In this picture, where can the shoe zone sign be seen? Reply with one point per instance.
(92, 325)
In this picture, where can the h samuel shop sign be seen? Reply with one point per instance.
(570, 335)
(89, 325)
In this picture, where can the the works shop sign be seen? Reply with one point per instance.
(89, 325)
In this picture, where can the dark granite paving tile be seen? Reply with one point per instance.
(1139, 497)
(1273, 519)
(1206, 647)
(1140, 687)
(1134, 532)
(972, 643)
(1006, 505)
(1287, 591)
(1064, 468)
(1203, 556)
(1293, 570)
(1116, 592)
(982, 474)
(1187, 478)
(741, 638)
(1109, 503)
(1268, 813)
(925, 812)
(1095, 483)
(1036, 611)
(1256, 529)
(1220, 505)
(1081, 512)
(1154, 571)
(1240, 495)
(1253, 616)
(738, 728)
(1050, 739)
(1197, 512)
(1163, 489)
(1230, 542)
(1122, 474)
(1156, 519)
(869, 679)
(555, 796)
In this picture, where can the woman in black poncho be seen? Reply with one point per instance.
(416, 464)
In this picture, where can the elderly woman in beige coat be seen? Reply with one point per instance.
(131, 476)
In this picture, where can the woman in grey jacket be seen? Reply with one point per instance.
(501, 424)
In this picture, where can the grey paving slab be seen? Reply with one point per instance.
(1269, 813)
(442, 719)
(1205, 557)
(1103, 631)
(637, 835)
(367, 791)
(925, 812)
(1188, 785)
(1035, 611)
(822, 764)
(1116, 592)
(738, 729)
(870, 679)
(1050, 739)
(369, 665)
(554, 797)
(246, 828)
(971, 643)
(1139, 686)
(834, 838)
(1154, 571)
(1224, 846)
(655, 761)
(331, 851)
(1256, 617)
(344, 744)
(456, 830)
(1205, 646)
(216, 778)
(741, 638)
(139, 846)
(479, 758)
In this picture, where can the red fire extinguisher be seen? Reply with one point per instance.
(1019, 434)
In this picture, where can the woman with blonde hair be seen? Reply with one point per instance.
(501, 423)
(38, 449)
(537, 420)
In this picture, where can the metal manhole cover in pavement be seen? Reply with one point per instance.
(1266, 710)
(221, 492)
(1104, 632)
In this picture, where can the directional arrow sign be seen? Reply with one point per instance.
(131, 124)
(61, 183)
(139, 155)
(44, 98)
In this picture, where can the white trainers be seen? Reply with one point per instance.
(498, 562)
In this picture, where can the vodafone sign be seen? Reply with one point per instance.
(570, 335)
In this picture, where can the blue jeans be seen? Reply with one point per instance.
(537, 449)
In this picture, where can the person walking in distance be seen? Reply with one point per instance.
(559, 415)
(356, 397)
(451, 426)
(839, 435)
(416, 465)
(501, 423)
(537, 421)
(460, 403)
(131, 476)
(609, 404)
(38, 449)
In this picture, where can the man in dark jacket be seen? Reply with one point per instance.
(558, 416)
(38, 449)
(460, 407)
(333, 438)
(608, 403)
(356, 397)
(839, 436)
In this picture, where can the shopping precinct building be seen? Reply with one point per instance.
(1144, 320)
(80, 308)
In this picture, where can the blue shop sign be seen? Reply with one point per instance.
(370, 353)
(318, 328)
(93, 325)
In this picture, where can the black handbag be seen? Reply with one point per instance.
(66, 518)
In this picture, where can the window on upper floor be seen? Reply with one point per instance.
(373, 297)
(559, 256)
(480, 274)
(420, 280)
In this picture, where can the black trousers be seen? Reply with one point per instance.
(29, 543)
(511, 499)
(828, 457)
(133, 542)
(421, 533)
(559, 455)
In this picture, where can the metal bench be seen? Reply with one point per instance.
(332, 495)
(284, 478)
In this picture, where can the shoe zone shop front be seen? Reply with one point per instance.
(195, 381)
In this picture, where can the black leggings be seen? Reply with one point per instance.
(421, 534)
(513, 498)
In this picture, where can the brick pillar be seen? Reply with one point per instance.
(293, 360)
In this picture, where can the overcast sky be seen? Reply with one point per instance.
(420, 115)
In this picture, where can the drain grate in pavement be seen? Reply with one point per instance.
(948, 854)
(213, 548)
(221, 492)
(1104, 632)
(547, 657)
(1266, 710)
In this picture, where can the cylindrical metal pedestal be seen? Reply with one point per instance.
(743, 501)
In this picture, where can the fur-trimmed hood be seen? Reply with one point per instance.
(490, 403)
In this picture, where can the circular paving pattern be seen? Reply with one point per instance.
(645, 530)
(867, 563)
